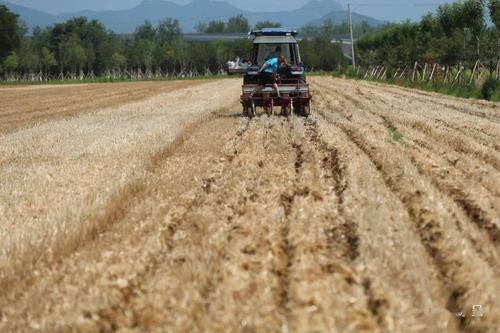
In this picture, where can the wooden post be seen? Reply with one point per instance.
(474, 72)
(384, 75)
(424, 72)
(414, 72)
(373, 71)
(352, 38)
(458, 75)
(432, 72)
(403, 72)
(396, 74)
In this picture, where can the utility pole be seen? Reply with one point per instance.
(478, 45)
(352, 37)
(465, 47)
(498, 48)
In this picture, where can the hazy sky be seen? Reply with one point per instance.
(391, 10)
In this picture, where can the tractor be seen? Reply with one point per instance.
(293, 87)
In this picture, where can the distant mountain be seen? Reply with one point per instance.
(64, 6)
(30, 16)
(313, 10)
(339, 17)
(125, 21)
(323, 5)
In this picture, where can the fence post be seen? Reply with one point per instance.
(414, 71)
(474, 72)
(424, 72)
(432, 72)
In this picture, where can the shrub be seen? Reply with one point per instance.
(490, 87)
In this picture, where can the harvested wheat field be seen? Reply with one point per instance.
(156, 207)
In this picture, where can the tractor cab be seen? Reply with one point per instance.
(275, 42)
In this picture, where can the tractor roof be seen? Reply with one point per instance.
(274, 32)
(274, 35)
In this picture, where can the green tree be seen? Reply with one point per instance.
(10, 32)
(11, 62)
(216, 27)
(494, 9)
(142, 53)
(327, 29)
(90, 34)
(108, 48)
(29, 58)
(47, 59)
(267, 24)
(449, 16)
(118, 60)
(201, 27)
(472, 16)
(321, 54)
(237, 24)
(168, 30)
(72, 54)
(180, 54)
(146, 31)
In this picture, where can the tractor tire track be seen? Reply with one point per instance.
(477, 207)
(483, 134)
(428, 228)
(483, 217)
(388, 120)
(465, 147)
(381, 301)
(471, 108)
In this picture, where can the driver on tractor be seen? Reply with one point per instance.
(267, 74)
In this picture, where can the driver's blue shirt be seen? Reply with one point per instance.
(272, 65)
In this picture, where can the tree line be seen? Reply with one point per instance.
(236, 24)
(86, 46)
(459, 33)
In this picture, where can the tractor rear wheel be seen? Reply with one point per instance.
(286, 110)
(250, 110)
(306, 109)
(269, 108)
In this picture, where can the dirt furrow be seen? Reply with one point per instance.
(484, 132)
(398, 301)
(48, 207)
(431, 221)
(323, 276)
(478, 197)
(252, 292)
(469, 107)
(458, 143)
(46, 104)
(113, 291)
(473, 199)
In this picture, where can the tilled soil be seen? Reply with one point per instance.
(23, 106)
(379, 213)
